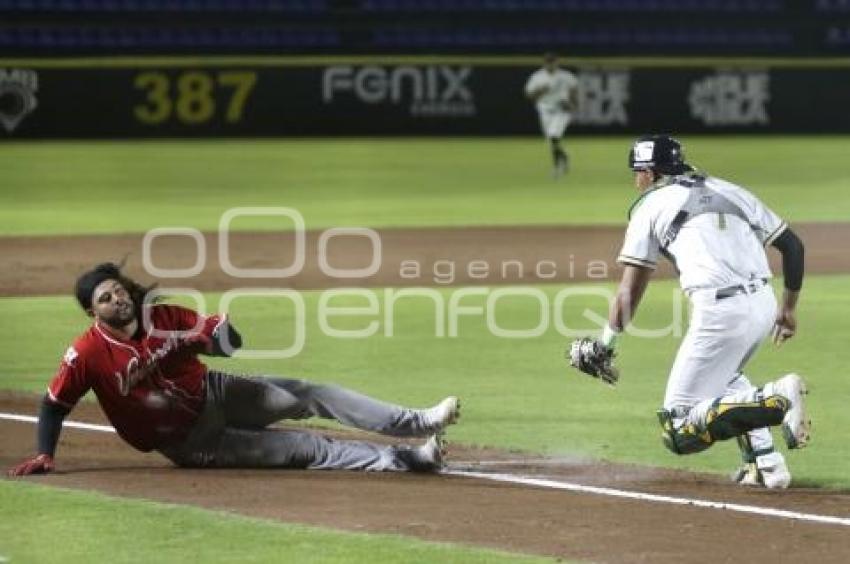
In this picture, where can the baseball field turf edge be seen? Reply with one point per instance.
(133, 186)
(517, 393)
(54, 525)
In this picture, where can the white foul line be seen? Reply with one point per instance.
(553, 484)
(556, 485)
(71, 424)
(521, 462)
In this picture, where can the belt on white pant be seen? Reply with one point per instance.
(747, 288)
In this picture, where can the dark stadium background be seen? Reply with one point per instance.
(728, 66)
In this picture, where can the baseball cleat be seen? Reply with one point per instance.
(796, 425)
(747, 475)
(433, 451)
(769, 471)
(425, 458)
(445, 413)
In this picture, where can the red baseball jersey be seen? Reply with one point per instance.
(151, 389)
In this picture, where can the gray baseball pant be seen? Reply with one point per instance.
(232, 430)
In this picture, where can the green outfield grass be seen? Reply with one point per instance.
(49, 525)
(517, 393)
(107, 187)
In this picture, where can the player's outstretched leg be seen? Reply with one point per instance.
(252, 402)
(280, 448)
(363, 412)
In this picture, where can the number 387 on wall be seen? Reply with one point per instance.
(191, 97)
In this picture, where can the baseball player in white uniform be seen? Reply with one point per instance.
(555, 93)
(714, 232)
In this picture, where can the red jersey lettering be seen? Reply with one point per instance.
(151, 389)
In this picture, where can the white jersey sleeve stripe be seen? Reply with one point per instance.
(626, 259)
(776, 233)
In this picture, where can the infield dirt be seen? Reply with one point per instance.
(404, 257)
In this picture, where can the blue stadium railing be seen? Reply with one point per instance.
(407, 5)
(111, 6)
(540, 38)
(583, 27)
(153, 38)
(573, 5)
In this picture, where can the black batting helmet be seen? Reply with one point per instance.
(659, 153)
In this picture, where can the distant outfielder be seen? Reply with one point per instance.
(714, 232)
(555, 93)
(141, 362)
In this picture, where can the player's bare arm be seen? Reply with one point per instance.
(595, 356)
(629, 294)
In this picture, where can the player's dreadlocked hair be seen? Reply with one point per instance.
(88, 281)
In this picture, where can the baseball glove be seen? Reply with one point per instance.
(594, 359)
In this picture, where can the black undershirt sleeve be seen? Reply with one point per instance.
(50, 418)
(222, 347)
(793, 258)
(234, 337)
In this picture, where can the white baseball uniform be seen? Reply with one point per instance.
(719, 254)
(561, 84)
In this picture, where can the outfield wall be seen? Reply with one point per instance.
(277, 96)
